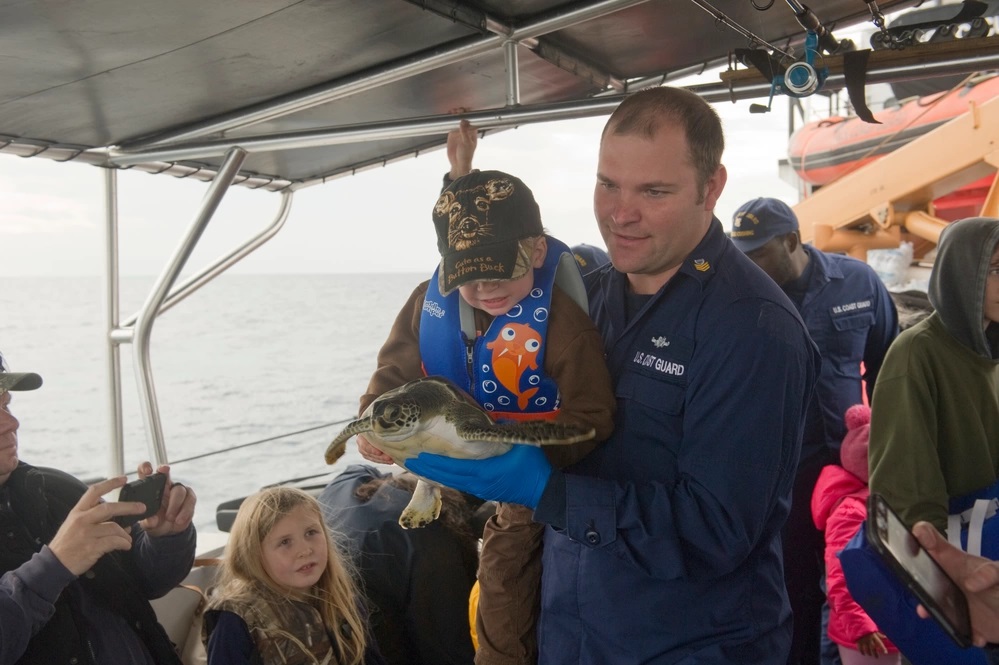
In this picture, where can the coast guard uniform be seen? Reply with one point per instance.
(664, 543)
(848, 294)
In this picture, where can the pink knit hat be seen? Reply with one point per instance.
(853, 452)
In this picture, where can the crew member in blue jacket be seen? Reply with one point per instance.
(663, 545)
(852, 319)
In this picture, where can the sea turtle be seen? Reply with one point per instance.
(433, 415)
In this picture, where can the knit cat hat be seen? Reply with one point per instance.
(853, 452)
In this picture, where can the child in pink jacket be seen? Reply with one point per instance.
(839, 508)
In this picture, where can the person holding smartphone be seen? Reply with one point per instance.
(75, 585)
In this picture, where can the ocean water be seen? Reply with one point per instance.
(245, 359)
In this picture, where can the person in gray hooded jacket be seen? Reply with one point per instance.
(935, 413)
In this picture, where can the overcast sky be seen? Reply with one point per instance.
(51, 220)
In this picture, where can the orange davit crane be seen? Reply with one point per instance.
(877, 205)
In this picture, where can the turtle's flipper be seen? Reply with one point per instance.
(423, 508)
(560, 434)
(530, 432)
(335, 451)
(338, 447)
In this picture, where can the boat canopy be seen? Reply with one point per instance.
(279, 95)
(316, 89)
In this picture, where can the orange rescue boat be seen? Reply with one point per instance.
(820, 152)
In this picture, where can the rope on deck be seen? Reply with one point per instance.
(255, 443)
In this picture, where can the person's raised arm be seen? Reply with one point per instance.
(461, 144)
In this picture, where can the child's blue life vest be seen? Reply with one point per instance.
(892, 606)
(503, 368)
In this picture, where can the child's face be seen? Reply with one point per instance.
(498, 296)
(295, 551)
(991, 305)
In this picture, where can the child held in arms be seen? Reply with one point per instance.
(526, 350)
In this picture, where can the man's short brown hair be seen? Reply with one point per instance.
(645, 112)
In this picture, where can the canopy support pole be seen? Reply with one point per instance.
(147, 316)
(116, 462)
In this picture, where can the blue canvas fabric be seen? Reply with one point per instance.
(987, 531)
(893, 608)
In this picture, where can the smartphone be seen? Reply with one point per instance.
(913, 565)
(149, 491)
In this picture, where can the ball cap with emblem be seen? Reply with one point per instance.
(759, 220)
(480, 220)
(17, 380)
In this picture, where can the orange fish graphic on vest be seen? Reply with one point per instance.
(514, 352)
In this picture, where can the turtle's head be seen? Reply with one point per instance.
(395, 419)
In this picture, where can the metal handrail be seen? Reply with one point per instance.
(223, 263)
(147, 316)
(115, 425)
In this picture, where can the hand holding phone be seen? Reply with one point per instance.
(977, 576)
(148, 491)
(913, 565)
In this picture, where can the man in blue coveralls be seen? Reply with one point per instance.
(852, 319)
(663, 545)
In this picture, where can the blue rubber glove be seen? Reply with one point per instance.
(519, 476)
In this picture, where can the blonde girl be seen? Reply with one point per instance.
(285, 595)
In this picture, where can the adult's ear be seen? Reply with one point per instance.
(792, 241)
(714, 186)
